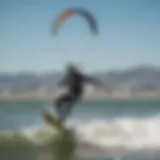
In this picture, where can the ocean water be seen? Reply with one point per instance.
(105, 130)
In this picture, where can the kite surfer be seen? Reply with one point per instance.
(74, 81)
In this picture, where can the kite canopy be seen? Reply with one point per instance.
(74, 11)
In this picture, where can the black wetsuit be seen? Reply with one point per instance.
(74, 81)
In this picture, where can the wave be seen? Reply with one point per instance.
(127, 134)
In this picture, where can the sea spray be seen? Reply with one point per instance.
(122, 135)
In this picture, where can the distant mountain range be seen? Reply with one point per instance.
(137, 75)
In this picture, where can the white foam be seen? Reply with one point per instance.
(130, 133)
(135, 133)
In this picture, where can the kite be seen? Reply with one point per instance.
(67, 13)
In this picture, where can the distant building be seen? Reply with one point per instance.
(145, 89)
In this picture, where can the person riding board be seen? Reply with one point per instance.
(74, 81)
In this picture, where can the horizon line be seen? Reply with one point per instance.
(60, 71)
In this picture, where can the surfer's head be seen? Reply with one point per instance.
(71, 68)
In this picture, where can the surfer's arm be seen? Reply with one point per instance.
(92, 80)
(95, 81)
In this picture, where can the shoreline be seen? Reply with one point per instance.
(84, 99)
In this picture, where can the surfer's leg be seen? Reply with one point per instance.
(62, 104)
(71, 99)
(67, 108)
(59, 104)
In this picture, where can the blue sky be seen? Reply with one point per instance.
(129, 35)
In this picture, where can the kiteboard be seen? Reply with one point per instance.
(52, 120)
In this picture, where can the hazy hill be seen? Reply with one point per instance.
(137, 75)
